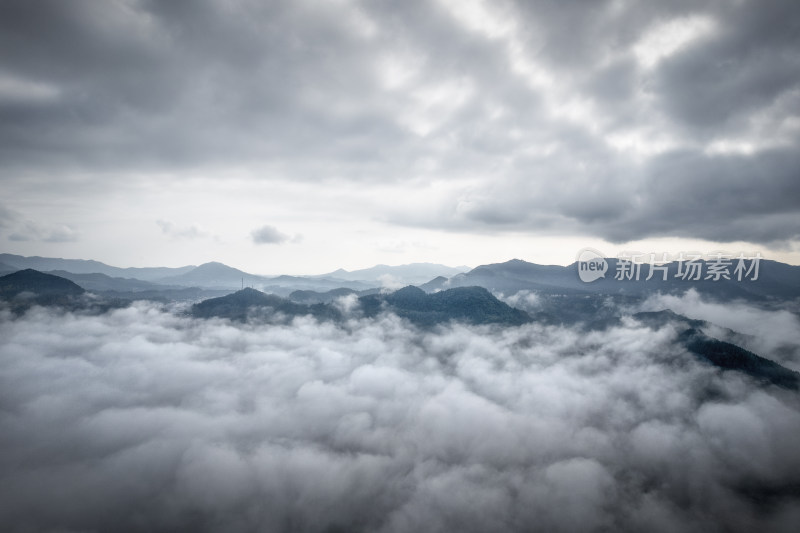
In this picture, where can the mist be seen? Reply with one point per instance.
(142, 419)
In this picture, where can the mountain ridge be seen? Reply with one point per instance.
(776, 280)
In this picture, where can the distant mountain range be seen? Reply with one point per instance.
(776, 281)
(218, 276)
(103, 282)
(23, 289)
(81, 266)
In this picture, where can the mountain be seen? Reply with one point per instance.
(81, 266)
(253, 304)
(37, 283)
(719, 353)
(27, 288)
(216, 275)
(213, 275)
(412, 274)
(728, 356)
(775, 281)
(316, 297)
(516, 275)
(474, 305)
(436, 284)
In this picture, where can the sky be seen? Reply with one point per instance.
(304, 136)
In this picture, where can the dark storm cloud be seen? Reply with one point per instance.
(391, 92)
(141, 420)
(717, 197)
(176, 82)
(744, 70)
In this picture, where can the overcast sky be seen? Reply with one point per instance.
(304, 136)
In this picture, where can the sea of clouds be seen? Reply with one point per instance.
(143, 419)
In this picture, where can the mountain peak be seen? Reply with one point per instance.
(214, 265)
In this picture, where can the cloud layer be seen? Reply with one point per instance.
(145, 420)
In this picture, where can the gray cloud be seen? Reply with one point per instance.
(702, 143)
(176, 232)
(7, 217)
(720, 197)
(268, 235)
(22, 229)
(146, 420)
(31, 231)
(742, 71)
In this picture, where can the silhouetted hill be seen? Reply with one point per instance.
(252, 304)
(37, 283)
(474, 305)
